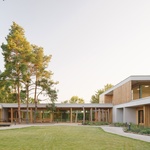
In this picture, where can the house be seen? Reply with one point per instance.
(130, 99)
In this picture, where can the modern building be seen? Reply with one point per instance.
(128, 101)
(63, 113)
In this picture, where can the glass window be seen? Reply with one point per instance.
(140, 116)
(140, 91)
(145, 91)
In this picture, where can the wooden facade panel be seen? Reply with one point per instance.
(108, 98)
(147, 115)
(0, 114)
(102, 99)
(122, 94)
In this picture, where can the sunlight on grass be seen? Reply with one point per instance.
(66, 138)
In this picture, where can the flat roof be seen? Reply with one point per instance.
(130, 78)
(59, 105)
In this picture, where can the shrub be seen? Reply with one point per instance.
(138, 129)
(95, 123)
(119, 124)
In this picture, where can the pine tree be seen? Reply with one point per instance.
(16, 52)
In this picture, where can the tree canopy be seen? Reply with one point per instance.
(95, 97)
(74, 99)
(25, 70)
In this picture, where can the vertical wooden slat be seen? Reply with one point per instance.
(12, 117)
(108, 116)
(91, 117)
(31, 115)
(83, 115)
(98, 115)
(70, 115)
(95, 114)
(106, 119)
(40, 116)
(102, 115)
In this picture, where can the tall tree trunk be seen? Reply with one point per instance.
(35, 100)
(27, 90)
(19, 110)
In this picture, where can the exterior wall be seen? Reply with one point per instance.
(119, 115)
(0, 114)
(146, 115)
(122, 94)
(124, 115)
(105, 98)
(130, 115)
(108, 98)
(101, 98)
(5, 114)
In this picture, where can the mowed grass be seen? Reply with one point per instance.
(66, 138)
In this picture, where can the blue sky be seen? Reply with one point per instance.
(92, 42)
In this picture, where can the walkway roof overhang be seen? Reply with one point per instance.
(58, 105)
(135, 103)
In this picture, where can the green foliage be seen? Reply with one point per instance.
(139, 129)
(119, 124)
(74, 99)
(95, 98)
(96, 123)
(65, 102)
(17, 53)
(51, 107)
(25, 66)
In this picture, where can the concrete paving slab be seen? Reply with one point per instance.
(119, 131)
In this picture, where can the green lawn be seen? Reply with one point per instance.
(66, 138)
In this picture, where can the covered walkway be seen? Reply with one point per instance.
(71, 113)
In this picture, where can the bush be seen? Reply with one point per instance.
(95, 123)
(138, 129)
(119, 124)
(145, 131)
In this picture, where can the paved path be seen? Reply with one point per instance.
(114, 130)
(119, 131)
